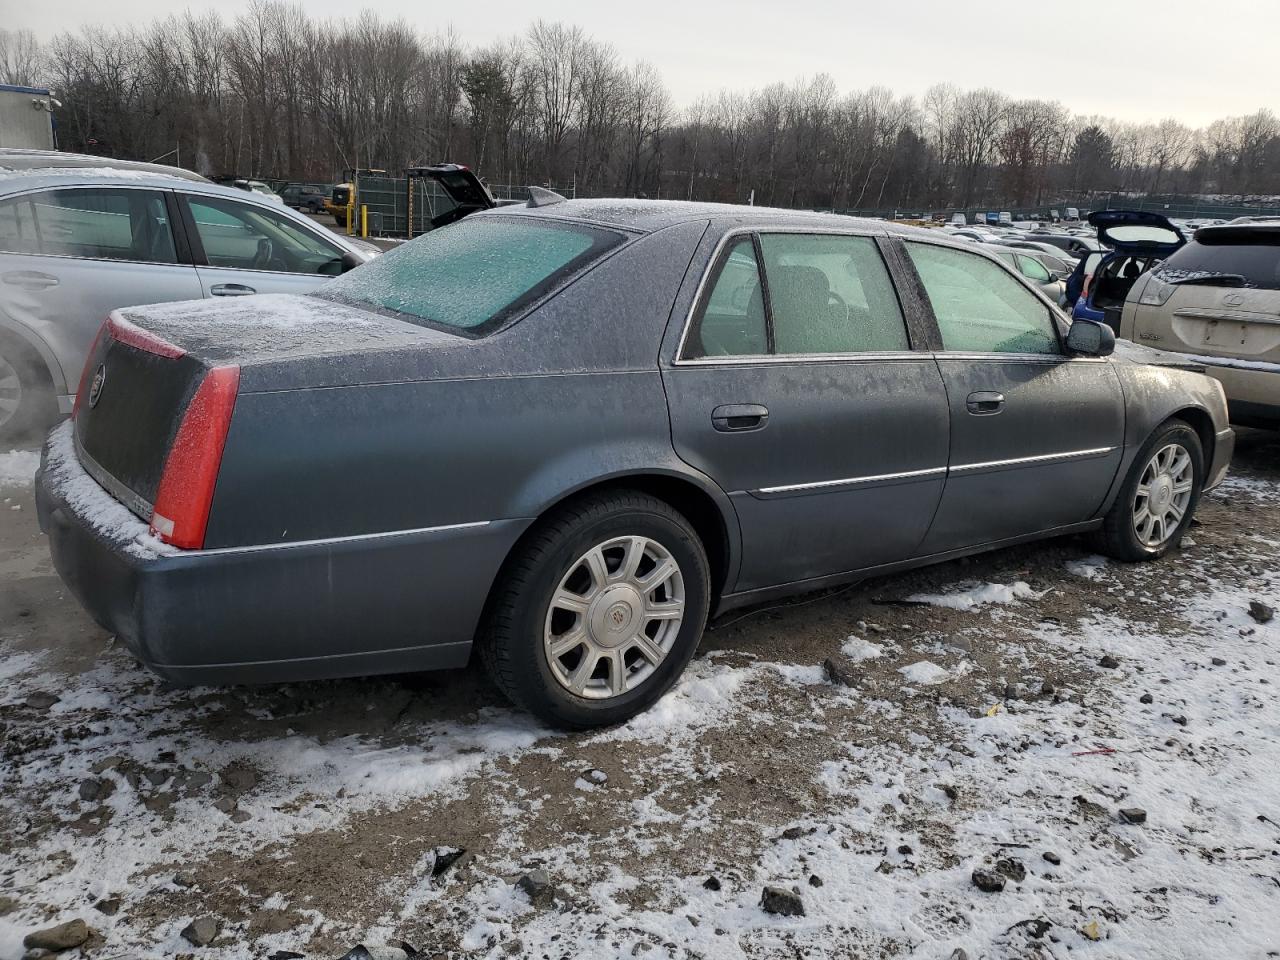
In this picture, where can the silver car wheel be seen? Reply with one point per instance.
(614, 617)
(1163, 495)
(10, 391)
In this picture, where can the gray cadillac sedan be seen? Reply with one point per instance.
(566, 434)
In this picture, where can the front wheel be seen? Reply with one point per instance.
(1156, 502)
(599, 611)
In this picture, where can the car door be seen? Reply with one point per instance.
(796, 388)
(1036, 434)
(244, 248)
(70, 256)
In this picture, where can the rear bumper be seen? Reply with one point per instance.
(1253, 391)
(352, 606)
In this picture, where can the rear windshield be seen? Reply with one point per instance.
(1256, 258)
(474, 275)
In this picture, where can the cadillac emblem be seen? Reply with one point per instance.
(95, 388)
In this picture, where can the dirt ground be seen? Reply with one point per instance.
(981, 726)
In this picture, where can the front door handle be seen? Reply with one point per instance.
(984, 403)
(739, 417)
(231, 290)
(30, 279)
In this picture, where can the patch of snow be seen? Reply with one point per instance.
(18, 468)
(925, 673)
(969, 596)
(1090, 567)
(857, 648)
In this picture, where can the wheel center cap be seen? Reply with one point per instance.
(615, 615)
(1163, 493)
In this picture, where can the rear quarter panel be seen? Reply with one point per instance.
(468, 431)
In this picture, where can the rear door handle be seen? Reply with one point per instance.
(739, 417)
(984, 403)
(231, 290)
(30, 279)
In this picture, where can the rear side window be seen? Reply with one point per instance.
(474, 274)
(1254, 256)
(18, 227)
(830, 294)
(733, 320)
(980, 306)
(818, 294)
(98, 223)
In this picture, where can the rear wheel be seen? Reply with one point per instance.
(599, 612)
(1155, 505)
(27, 402)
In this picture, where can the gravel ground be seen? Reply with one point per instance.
(982, 724)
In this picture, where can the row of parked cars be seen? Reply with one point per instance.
(564, 435)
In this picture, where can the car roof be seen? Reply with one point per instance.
(20, 181)
(16, 161)
(650, 215)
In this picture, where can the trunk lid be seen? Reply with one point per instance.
(462, 186)
(148, 363)
(1137, 232)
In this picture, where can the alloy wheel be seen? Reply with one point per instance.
(10, 391)
(1163, 495)
(614, 617)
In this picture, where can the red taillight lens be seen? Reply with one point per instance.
(88, 365)
(181, 511)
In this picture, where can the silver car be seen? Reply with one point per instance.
(81, 236)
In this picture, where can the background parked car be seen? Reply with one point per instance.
(306, 197)
(1030, 267)
(79, 240)
(570, 431)
(1076, 246)
(1218, 298)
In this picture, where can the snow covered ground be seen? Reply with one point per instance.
(998, 720)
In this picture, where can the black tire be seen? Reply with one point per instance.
(511, 638)
(24, 380)
(1118, 537)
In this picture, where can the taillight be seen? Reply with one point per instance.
(181, 511)
(88, 364)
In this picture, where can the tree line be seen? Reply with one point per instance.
(274, 93)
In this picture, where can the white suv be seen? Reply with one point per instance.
(1217, 300)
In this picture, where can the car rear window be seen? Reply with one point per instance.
(473, 275)
(1254, 255)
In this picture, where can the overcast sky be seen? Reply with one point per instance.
(1191, 59)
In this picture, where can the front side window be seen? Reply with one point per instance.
(979, 306)
(830, 294)
(98, 223)
(1033, 269)
(474, 274)
(244, 236)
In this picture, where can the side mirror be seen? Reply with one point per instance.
(350, 261)
(1088, 338)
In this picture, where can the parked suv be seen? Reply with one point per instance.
(81, 236)
(1218, 298)
(308, 198)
